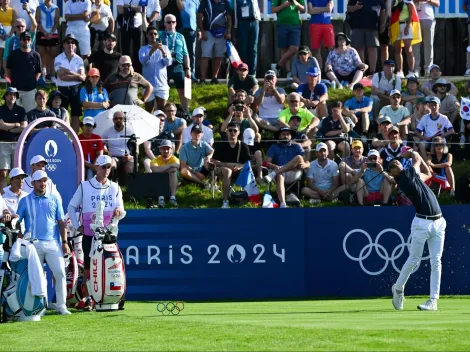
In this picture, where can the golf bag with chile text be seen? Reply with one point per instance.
(107, 283)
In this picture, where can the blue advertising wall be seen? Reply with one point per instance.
(209, 254)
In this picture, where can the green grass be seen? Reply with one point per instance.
(339, 325)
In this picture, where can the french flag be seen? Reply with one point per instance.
(114, 287)
(247, 181)
(232, 54)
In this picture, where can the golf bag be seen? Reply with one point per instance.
(18, 303)
(74, 266)
(107, 284)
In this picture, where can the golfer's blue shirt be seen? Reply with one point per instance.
(40, 214)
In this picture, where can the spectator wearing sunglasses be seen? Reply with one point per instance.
(398, 114)
(77, 13)
(304, 61)
(174, 124)
(198, 120)
(13, 42)
(449, 106)
(309, 122)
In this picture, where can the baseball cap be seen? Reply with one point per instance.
(373, 152)
(17, 171)
(37, 159)
(434, 66)
(357, 144)
(125, 59)
(103, 160)
(93, 72)
(389, 62)
(404, 149)
(413, 79)
(295, 117)
(395, 91)
(158, 113)
(434, 100)
(394, 129)
(25, 34)
(313, 71)
(88, 120)
(198, 111)
(111, 36)
(166, 143)
(196, 128)
(270, 73)
(38, 175)
(358, 86)
(242, 66)
(249, 136)
(321, 146)
(385, 119)
(303, 49)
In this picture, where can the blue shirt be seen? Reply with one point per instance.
(40, 215)
(188, 14)
(176, 43)
(194, 155)
(373, 184)
(353, 104)
(319, 90)
(154, 67)
(320, 18)
(171, 126)
(281, 153)
(95, 97)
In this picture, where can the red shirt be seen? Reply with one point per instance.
(91, 146)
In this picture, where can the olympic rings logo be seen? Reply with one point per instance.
(173, 308)
(380, 250)
(51, 167)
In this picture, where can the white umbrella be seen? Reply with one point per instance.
(144, 124)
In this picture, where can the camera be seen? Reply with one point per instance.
(239, 107)
(210, 166)
(371, 165)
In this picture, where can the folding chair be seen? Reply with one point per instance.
(441, 183)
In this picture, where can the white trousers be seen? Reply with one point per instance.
(433, 233)
(51, 253)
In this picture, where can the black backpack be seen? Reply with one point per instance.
(462, 189)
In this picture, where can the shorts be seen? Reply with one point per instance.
(177, 74)
(83, 36)
(42, 41)
(322, 32)
(402, 35)
(384, 38)
(373, 197)
(348, 78)
(361, 38)
(7, 30)
(86, 248)
(162, 93)
(292, 176)
(7, 153)
(73, 99)
(212, 47)
(288, 35)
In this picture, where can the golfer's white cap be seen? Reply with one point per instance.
(158, 113)
(17, 171)
(88, 120)
(103, 160)
(249, 136)
(39, 175)
(321, 146)
(198, 111)
(37, 159)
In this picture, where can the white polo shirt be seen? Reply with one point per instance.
(207, 134)
(323, 177)
(381, 82)
(137, 16)
(106, 14)
(74, 65)
(76, 8)
(115, 141)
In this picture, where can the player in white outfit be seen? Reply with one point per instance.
(38, 163)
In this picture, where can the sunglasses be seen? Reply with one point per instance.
(154, 34)
(294, 101)
(20, 26)
(26, 39)
(126, 65)
(396, 97)
(170, 22)
(118, 118)
(95, 76)
(88, 125)
(198, 115)
(302, 53)
(107, 167)
(71, 42)
(373, 158)
(232, 130)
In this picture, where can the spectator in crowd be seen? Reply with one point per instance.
(421, 109)
(12, 122)
(393, 149)
(92, 145)
(450, 106)
(241, 80)
(229, 157)
(323, 181)
(247, 16)
(180, 64)
(380, 139)
(106, 60)
(440, 161)
(173, 8)
(427, 23)
(309, 122)
(396, 112)
(54, 103)
(434, 74)
(299, 137)
(321, 29)
(252, 140)
(382, 84)
(335, 129)
(151, 147)
(48, 20)
(343, 64)
(378, 187)
(198, 118)
(167, 163)
(351, 164)
(215, 24)
(93, 96)
(38, 163)
(70, 71)
(269, 100)
(13, 42)
(26, 11)
(195, 157)
(115, 140)
(300, 66)
(8, 17)
(432, 125)
(12, 194)
(102, 24)
(123, 85)
(77, 15)
(287, 31)
(365, 17)
(314, 94)
(465, 124)
(190, 31)
(286, 160)
(40, 111)
(24, 69)
(155, 58)
(410, 96)
(174, 124)
(130, 22)
(152, 12)
(384, 32)
(359, 110)
(242, 115)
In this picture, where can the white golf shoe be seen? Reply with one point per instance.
(431, 304)
(398, 298)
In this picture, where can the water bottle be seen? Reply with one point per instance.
(2, 30)
(462, 141)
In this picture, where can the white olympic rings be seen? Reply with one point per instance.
(51, 167)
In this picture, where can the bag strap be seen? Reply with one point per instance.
(238, 153)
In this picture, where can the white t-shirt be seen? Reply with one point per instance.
(323, 177)
(75, 65)
(207, 134)
(425, 11)
(106, 14)
(431, 126)
(396, 115)
(116, 144)
(76, 8)
(381, 82)
(137, 16)
(18, 6)
(270, 108)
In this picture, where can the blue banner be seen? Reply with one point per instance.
(210, 254)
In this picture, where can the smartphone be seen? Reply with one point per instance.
(24, 1)
(159, 40)
(371, 165)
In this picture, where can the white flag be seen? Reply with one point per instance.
(465, 108)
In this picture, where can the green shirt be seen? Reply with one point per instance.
(289, 15)
(303, 113)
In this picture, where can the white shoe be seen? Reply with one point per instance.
(398, 298)
(63, 311)
(467, 73)
(283, 205)
(431, 304)
(452, 192)
(289, 76)
(274, 68)
(400, 74)
(314, 201)
(271, 177)
(173, 202)
(416, 73)
(161, 202)
(225, 204)
(411, 74)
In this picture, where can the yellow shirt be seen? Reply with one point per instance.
(158, 161)
(6, 17)
(305, 116)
